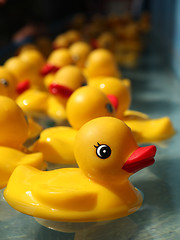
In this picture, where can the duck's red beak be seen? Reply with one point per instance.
(94, 44)
(22, 86)
(113, 100)
(57, 89)
(49, 68)
(140, 158)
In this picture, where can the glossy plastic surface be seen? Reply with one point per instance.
(155, 92)
(98, 190)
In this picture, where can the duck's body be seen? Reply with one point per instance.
(15, 132)
(36, 103)
(98, 190)
(68, 195)
(11, 158)
(145, 129)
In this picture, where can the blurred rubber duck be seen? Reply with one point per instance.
(7, 83)
(96, 191)
(14, 133)
(105, 40)
(79, 52)
(36, 61)
(117, 90)
(144, 128)
(56, 143)
(66, 81)
(64, 40)
(56, 60)
(52, 104)
(101, 62)
(21, 71)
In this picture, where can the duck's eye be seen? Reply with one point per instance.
(4, 82)
(109, 107)
(103, 151)
(75, 58)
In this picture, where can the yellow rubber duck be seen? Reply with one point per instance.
(52, 104)
(64, 40)
(56, 143)
(7, 83)
(80, 52)
(36, 61)
(14, 130)
(21, 71)
(101, 62)
(66, 81)
(144, 128)
(96, 191)
(56, 60)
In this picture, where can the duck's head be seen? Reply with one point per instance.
(57, 59)
(106, 151)
(13, 124)
(73, 36)
(80, 52)
(7, 83)
(21, 71)
(36, 61)
(87, 103)
(61, 41)
(116, 90)
(66, 81)
(101, 62)
(106, 40)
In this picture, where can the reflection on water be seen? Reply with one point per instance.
(123, 228)
(6, 212)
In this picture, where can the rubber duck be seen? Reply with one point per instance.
(56, 143)
(98, 190)
(117, 90)
(80, 52)
(65, 81)
(101, 62)
(36, 61)
(61, 41)
(21, 71)
(106, 40)
(14, 132)
(7, 83)
(144, 128)
(56, 60)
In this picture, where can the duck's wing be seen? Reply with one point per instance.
(56, 144)
(151, 130)
(47, 193)
(11, 158)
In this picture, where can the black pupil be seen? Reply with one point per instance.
(109, 107)
(4, 82)
(105, 152)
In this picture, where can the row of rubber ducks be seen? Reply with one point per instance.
(101, 137)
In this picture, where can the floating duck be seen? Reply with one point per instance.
(144, 128)
(36, 61)
(65, 39)
(101, 62)
(96, 191)
(7, 83)
(21, 71)
(84, 104)
(118, 91)
(14, 130)
(65, 81)
(80, 52)
(56, 60)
